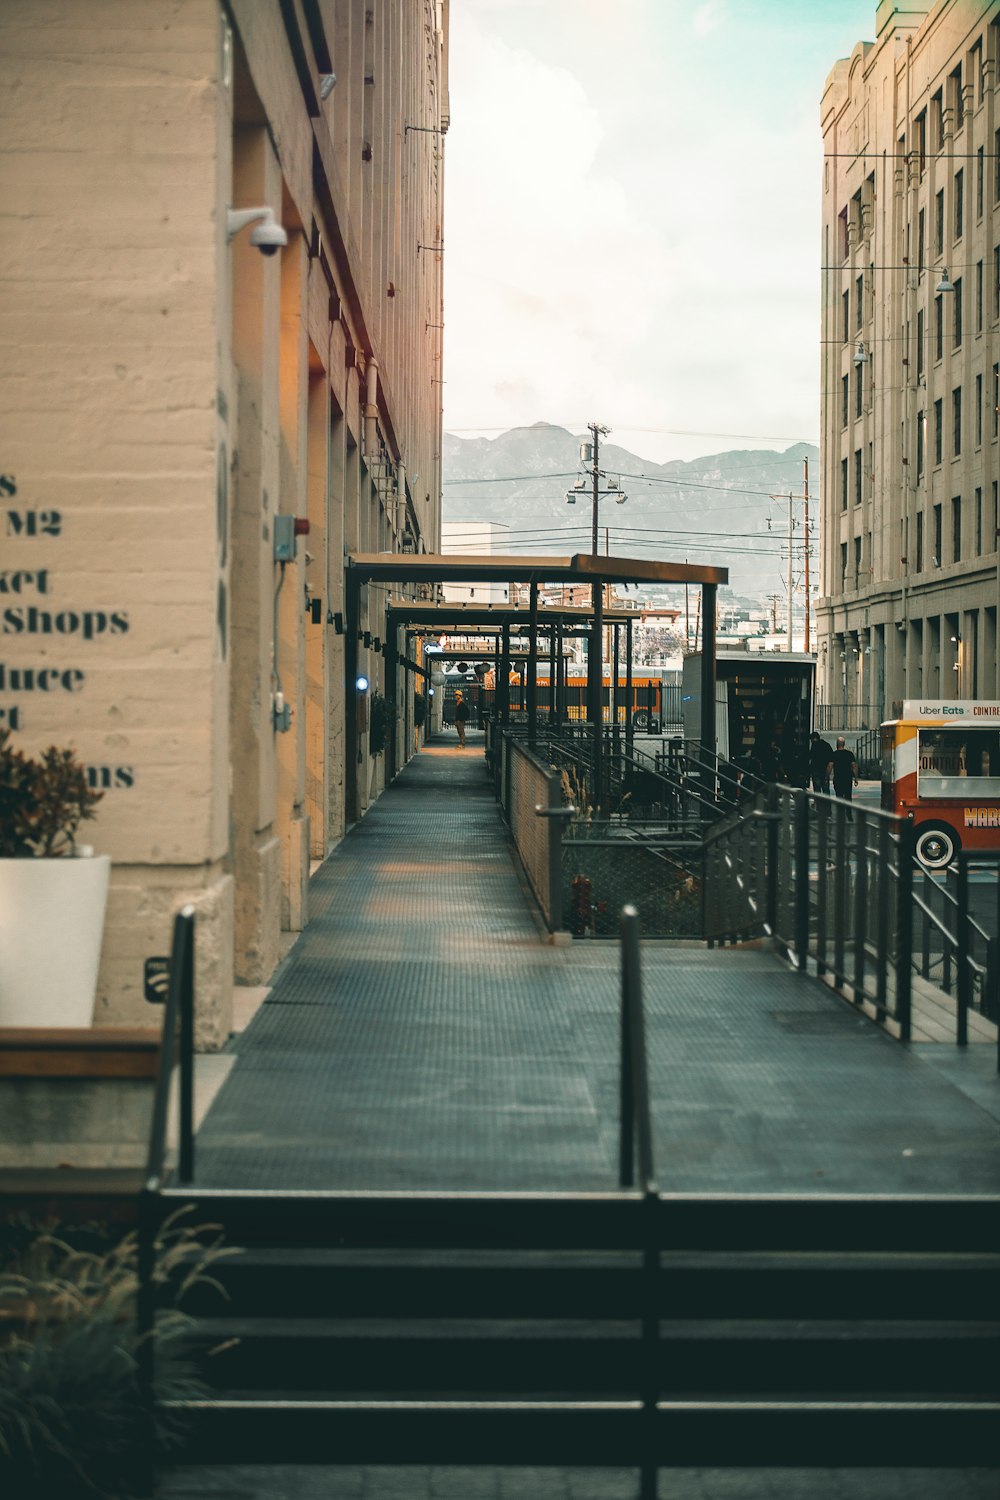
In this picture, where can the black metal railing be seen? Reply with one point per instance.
(637, 1139)
(966, 928)
(176, 1047)
(830, 882)
(847, 716)
(951, 950)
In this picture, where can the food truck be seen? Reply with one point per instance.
(941, 767)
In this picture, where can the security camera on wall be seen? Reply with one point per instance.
(268, 236)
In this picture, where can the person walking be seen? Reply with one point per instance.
(461, 717)
(843, 768)
(820, 760)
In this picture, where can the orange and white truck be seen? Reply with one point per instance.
(941, 767)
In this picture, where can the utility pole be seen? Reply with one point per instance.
(597, 431)
(805, 496)
(791, 595)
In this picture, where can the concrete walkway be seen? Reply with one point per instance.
(421, 1034)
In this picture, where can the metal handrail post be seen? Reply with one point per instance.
(962, 955)
(882, 924)
(822, 820)
(632, 1000)
(626, 1101)
(801, 880)
(772, 860)
(904, 929)
(186, 1146)
(860, 934)
(839, 890)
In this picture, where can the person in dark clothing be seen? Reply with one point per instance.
(461, 718)
(820, 760)
(844, 770)
(772, 759)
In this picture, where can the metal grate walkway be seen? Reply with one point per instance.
(420, 1034)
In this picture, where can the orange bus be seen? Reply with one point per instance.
(941, 767)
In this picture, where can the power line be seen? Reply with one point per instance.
(756, 437)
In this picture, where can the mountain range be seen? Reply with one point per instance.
(716, 510)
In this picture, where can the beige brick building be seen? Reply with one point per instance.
(910, 373)
(170, 393)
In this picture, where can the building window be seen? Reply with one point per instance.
(996, 516)
(979, 523)
(936, 558)
(959, 202)
(938, 327)
(979, 296)
(996, 399)
(846, 411)
(871, 469)
(857, 562)
(956, 422)
(996, 166)
(939, 223)
(920, 138)
(920, 443)
(996, 282)
(847, 316)
(842, 236)
(843, 565)
(857, 476)
(920, 343)
(979, 411)
(956, 529)
(859, 292)
(921, 221)
(976, 69)
(980, 180)
(859, 383)
(938, 431)
(920, 542)
(955, 97)
(958, 311)
(843, 484)
(937, 121)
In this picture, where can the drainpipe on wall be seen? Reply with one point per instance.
(401, 497)
(371, 408)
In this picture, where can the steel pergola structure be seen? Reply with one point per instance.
(426, 617)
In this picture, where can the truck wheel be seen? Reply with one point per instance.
(937, 845)
(640, 720)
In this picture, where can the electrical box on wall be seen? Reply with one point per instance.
(282, 714)
(284, 538)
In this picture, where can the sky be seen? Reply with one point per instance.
(632, 217)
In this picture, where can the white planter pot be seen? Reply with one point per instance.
(51, 925)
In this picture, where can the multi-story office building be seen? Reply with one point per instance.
(911, 360)
(185, 395)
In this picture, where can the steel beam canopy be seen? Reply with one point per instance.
(581, 567)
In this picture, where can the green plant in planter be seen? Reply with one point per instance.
(42, 802)
(70, 1406)
(379, 719)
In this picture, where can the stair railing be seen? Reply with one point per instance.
(178, 1034)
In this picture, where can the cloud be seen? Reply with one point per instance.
(708, 18)
(617, 250)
